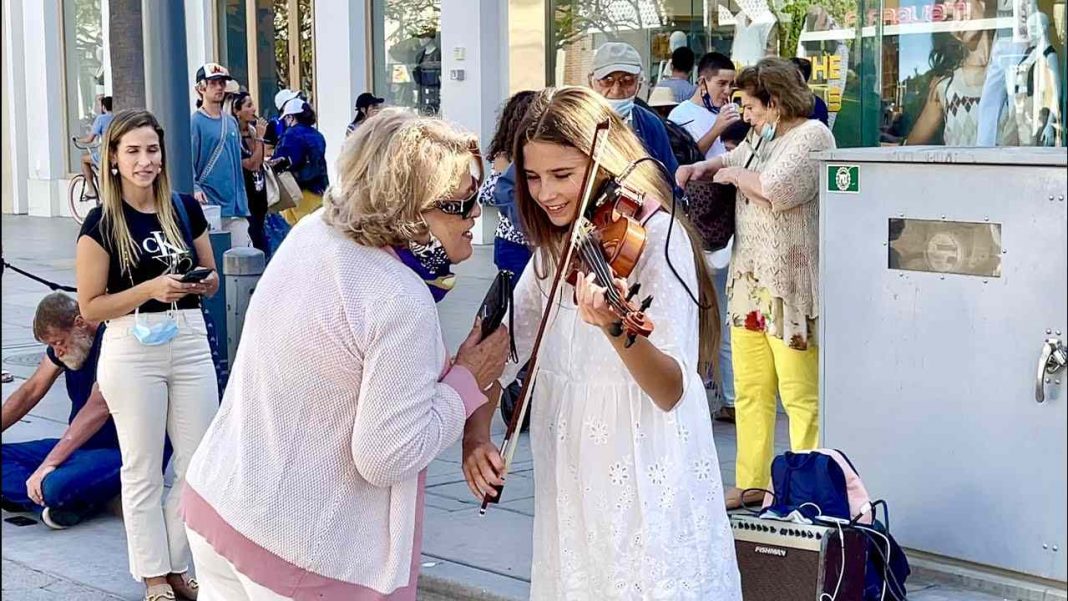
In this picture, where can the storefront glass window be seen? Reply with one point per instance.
(407, 53)
(971, 72)
(83, 48)
(283, 52)
(947, 72)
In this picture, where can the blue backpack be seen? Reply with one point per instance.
(825, 483)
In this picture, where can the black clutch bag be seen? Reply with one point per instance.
(496, 305)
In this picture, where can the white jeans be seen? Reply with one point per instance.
(153, 391)
(219, 580)
(238, 228)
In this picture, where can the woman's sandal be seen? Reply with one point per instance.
(159, 592)
(184, 586)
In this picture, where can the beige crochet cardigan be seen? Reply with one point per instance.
(780, 247)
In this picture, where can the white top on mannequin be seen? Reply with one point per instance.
(751, 36)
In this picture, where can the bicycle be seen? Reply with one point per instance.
(81, 202)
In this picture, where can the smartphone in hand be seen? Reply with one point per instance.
(196, 275)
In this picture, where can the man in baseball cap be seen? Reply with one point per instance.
(218, 177)
(367, 105)
(617, 76)
(212, 71)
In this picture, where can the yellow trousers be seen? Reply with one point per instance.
(309, 203)
(764, 364)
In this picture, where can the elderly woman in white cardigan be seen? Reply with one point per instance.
(309, 483)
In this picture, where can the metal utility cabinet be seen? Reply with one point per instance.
(944, 309)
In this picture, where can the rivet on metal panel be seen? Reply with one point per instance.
(1057, 382)
(1058, 332)
(1049, 331)
(1047, 380)
(900, 214)
(942, 277)
(943, 217)
(1045, 546)
(985, 281)
(986, 219)
(1056, 548)
(1051, 198)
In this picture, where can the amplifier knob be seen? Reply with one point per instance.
(819, 536)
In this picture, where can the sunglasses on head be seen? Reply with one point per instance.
(464, 206)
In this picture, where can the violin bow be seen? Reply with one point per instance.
(511, 435)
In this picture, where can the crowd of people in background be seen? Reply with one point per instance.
(736, 333)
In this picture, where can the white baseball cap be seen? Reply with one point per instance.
(616, 56)
(294, 106)
(284, 96)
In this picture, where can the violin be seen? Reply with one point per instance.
(610, 241)
(606, 240)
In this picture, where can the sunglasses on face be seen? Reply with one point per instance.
(464, 206)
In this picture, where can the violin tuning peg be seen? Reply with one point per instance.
(617, 329)
(630, 341)
(647, 302)
(634, 290)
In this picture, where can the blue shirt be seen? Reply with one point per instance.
(224, 184)
(653, 134)
(101, 123)
(305, 148)
(819, 111)
(80, 384)
(504, 196)
(651, 131)
(681, 88)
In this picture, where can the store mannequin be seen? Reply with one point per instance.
(676, 41)
(1036, 88)
(754, 34)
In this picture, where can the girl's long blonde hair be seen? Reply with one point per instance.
(113, 222)
(569, 117)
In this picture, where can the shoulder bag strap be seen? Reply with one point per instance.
(187, 228)
(216, 152)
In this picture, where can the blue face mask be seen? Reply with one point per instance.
(622, 106)
(159, 333)
(768, 132)
(706, 98)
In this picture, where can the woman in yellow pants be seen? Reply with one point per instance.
(773, 287)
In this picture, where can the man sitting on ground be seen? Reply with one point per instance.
(77, 475)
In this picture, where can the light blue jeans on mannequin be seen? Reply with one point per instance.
(1003, 57)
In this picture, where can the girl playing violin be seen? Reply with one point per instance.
(628, 498)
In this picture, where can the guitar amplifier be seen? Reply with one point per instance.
(784, 561)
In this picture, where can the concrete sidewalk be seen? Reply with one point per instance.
(465, 556)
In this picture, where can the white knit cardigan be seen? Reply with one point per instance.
(340, 396)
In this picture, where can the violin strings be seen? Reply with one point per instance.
(596, 261)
